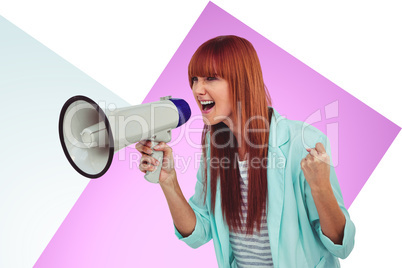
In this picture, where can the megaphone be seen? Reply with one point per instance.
(90, 136)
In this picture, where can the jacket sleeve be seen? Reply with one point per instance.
(343, 250)
(202, 232)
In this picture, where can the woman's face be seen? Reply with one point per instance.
(212, 95)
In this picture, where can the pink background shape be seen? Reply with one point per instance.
(121, 220)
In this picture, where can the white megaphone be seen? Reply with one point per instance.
(90, 136)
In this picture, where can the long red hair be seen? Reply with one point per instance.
(234, 59)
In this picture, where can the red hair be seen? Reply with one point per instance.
(235, 60)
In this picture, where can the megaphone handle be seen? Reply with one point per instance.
(153, 176)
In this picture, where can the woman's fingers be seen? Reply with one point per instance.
(313, 152)
(320, 148)
(148, 163)
(149, 160)
(144, 146)
(317, 154)
(162, 146)
(144, 167)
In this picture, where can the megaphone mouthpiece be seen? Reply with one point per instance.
(183, 109)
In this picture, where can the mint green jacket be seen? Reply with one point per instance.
(294, 229)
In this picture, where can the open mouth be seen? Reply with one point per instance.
(207, 105)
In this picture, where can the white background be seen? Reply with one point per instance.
(125, 45)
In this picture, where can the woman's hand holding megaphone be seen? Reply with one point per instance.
(182, 214)
(149, 163)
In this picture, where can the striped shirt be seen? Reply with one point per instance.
(250, 250)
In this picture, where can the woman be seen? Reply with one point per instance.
(263, 197)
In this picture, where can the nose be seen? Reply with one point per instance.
(199, 88)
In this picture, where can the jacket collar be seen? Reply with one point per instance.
(277, 158)
(278, 131)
